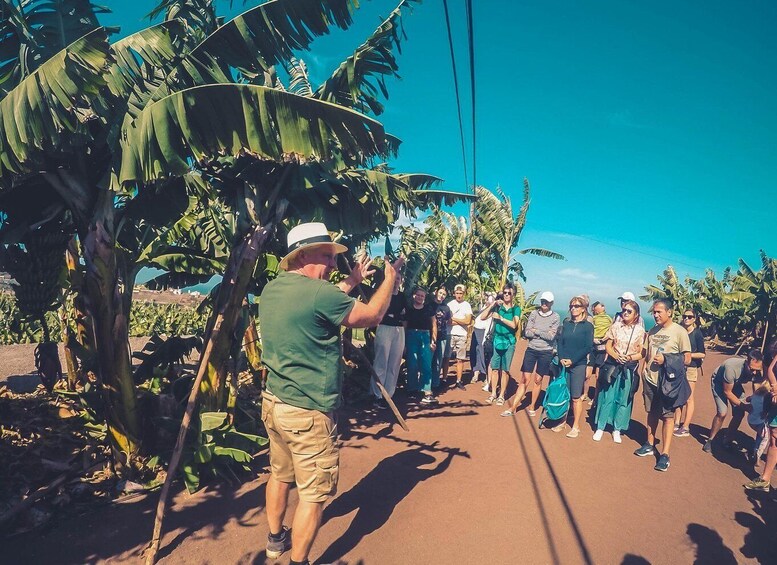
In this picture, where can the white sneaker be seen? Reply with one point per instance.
(598, 435)
(486, 387)
(616, 436)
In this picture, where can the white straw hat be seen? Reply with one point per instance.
(305, 236)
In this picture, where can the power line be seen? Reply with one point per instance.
(456, 88)
(471, 37)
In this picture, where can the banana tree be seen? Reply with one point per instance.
(761, 288)
(499, 232)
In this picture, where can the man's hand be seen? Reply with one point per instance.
(361, 270)
(394, 267)
(433, 345)
(659, 358)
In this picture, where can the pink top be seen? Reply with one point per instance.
(624, 337)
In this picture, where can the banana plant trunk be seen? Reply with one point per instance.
(110, 319)
(220, 332)
(212, 368)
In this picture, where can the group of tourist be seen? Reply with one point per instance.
(301, 341)
(594, 352)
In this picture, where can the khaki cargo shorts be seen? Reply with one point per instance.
(303, 448)
(459, 346)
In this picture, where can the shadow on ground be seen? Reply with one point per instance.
(131, 526)
(377, 494)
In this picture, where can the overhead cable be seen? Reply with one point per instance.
(456, 88)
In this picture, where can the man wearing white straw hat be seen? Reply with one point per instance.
(301, 314)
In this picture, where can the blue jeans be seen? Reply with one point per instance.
(439, 355)
(419, 360)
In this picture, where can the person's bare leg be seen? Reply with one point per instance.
(505, 377)
(667, 432)
(589, 371)
(276, 499)
(493, 381)
(459, 369)
(307, 519)
(689, 408)
(652, 427)
(521, 392)
(733, 425)
(577, 411)
(717, 423)
(535, 392)
(771, 456)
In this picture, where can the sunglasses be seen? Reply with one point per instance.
(575, 306)
(687, 317)
(506, 292)
(628, 310)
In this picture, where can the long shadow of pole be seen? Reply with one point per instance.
(578, 535)
(536, 489)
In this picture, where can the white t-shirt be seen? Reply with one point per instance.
(459, 310)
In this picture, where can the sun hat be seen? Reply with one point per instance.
(547, 296)
(305, 236)
(627, 296)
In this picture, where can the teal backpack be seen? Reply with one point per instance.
(556, 402)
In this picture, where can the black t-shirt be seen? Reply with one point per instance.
(420, 318)
(697, 345)
(443, 316)
(395, 314)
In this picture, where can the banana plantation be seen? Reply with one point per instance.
(740, 307)
(191, 148)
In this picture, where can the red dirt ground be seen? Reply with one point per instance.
(464, 486)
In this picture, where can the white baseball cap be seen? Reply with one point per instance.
(547, 296)
(627, 296)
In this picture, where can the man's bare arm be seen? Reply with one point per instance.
(370, 314)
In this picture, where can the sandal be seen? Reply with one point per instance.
(490, 399)
(500, 401)
(507, 413)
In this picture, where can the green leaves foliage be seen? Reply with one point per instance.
(41, 117)
(204, 123)
(218, 449)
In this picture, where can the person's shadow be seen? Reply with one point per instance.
(709, 546)
(377, 494)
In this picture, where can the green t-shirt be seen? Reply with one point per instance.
(300, 321)
(504, 337)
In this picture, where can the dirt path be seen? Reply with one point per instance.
(465, 486)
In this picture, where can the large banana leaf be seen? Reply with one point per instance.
(33, 31)
(39, 116)
(203, 123)
(198, 15)
(251, 43)
(350, 84)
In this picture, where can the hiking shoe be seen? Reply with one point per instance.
(758, 484)
(616, 436)
(663, 463)
(598, 435)
(507, 413)
(277, 545)
(707, 448)
(681, 432)
(460, 385)
(500, 401)
(644, 450)
(574, 432)
(428, 399)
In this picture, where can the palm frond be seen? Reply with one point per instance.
(351, 83)
(299, 81)
(38, 117)
(542, 253)
(203, 123)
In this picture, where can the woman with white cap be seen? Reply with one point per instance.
(541, 329)
(624, 298)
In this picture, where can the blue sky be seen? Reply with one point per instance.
(648, 131)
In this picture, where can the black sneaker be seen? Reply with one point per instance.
(460, 385)
(644, 450)
(379, 403)
(663, 463)
(428, 399)
(707, 448)
(277, 545)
